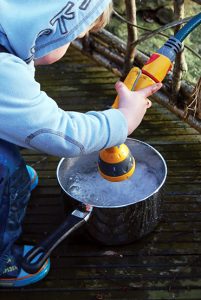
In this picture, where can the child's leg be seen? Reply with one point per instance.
(15, 188)
(14, 196)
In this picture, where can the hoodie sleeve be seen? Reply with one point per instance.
(31, 119)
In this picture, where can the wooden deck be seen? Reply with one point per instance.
(165, 264)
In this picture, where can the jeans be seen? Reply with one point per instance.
(14, 196)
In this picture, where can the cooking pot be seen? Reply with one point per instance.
(115, 213)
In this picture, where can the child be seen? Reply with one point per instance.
(39, 32)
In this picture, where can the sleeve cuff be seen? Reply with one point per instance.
(118, 127)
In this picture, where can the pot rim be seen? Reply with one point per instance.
(124, 205)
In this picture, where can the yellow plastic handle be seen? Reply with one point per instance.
(135, 80)
(153, 71)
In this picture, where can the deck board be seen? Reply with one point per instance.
(163, 265)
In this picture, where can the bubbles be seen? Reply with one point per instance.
(90, 188)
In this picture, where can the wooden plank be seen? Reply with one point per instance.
(164, 264)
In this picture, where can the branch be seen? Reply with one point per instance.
(131, 36)
(180, 61)
(157, 31)
(162, 28)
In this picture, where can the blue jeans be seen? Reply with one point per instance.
(14, 196)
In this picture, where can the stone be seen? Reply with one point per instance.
(165, 15)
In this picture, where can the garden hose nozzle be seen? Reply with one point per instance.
(117, 163)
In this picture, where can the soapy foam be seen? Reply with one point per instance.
(89, 187)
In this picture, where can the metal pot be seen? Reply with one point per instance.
(122, 211)
(115, 213)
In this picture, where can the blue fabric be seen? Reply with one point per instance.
(28, 117)
(33, 28)
(14, 197)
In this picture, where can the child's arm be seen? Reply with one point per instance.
(29, 118)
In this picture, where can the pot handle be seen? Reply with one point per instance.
(40, 253)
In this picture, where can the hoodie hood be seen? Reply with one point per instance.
(33, 28)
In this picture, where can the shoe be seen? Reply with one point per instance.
(33, 176)
(13, 276)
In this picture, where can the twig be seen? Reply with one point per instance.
(195, 103)
(132, 35)
(157, 31)
(180, 65)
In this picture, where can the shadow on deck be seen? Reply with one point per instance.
(166, 263)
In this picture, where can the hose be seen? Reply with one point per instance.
(190, 26)
(117, 163)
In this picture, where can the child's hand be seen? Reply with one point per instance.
(134, 104)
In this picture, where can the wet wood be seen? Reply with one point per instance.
(163, 265)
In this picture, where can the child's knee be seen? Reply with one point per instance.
(10, 158)
(13, 173)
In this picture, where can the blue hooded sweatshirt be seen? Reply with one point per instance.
(31, 29)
